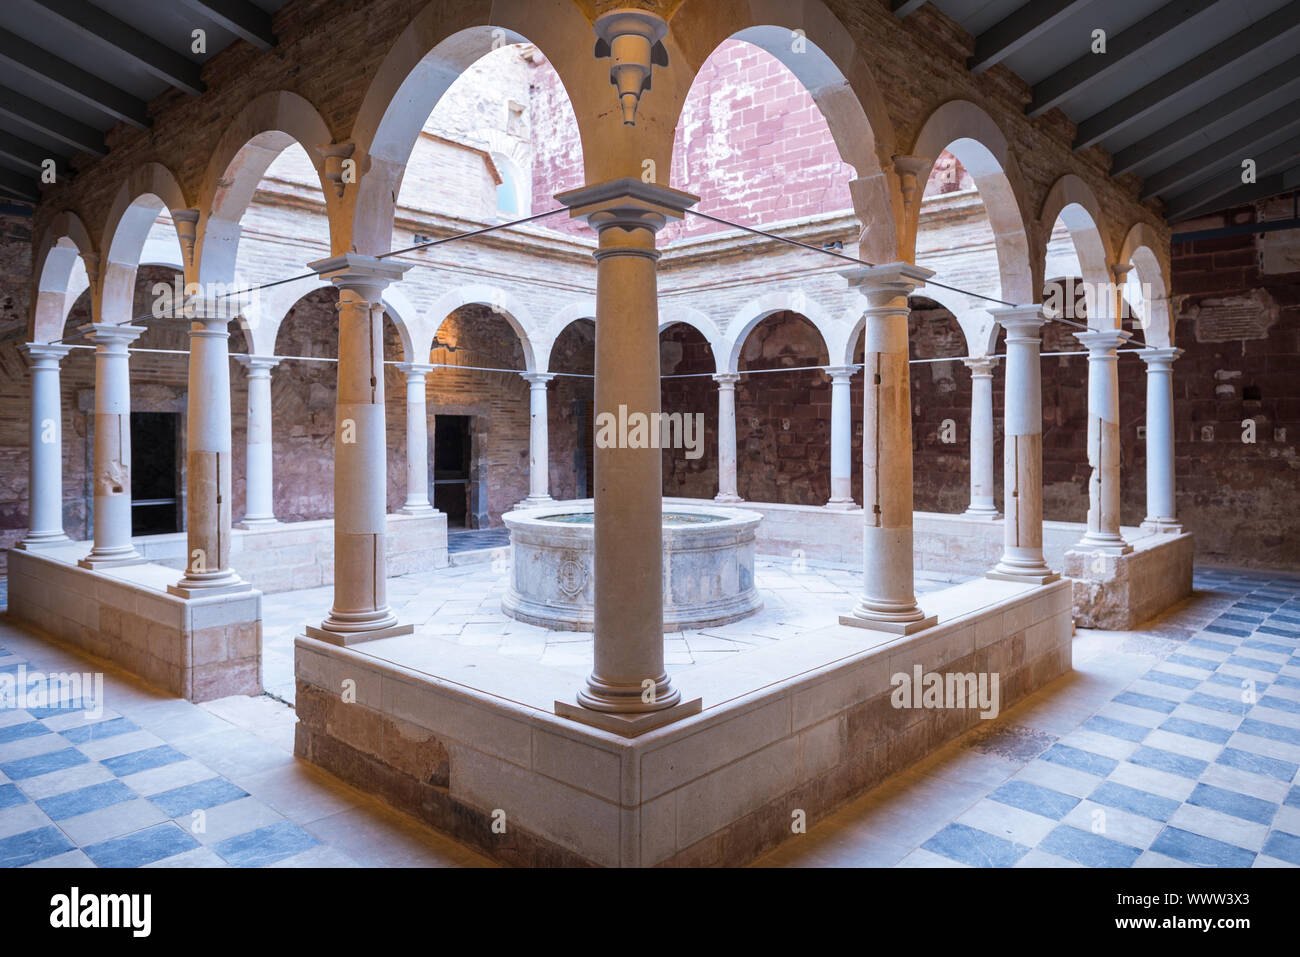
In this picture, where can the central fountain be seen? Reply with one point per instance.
(708, 566)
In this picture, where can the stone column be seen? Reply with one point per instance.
(539, 442)
(417, 438)
(360, 611)
(1103, 532)
(888, 600)
(1022, 553)
(208, 453)
(45, 467)
(1162, 509)
(112, 478)
(841, 437)
(259, 486)
(982, 501)
(728, 489)
(629, 689)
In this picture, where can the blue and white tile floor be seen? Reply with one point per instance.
(1177, 744)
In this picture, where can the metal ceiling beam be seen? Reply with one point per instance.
(28, 155)
(239, 17)
(1277, 170)
(1274, 81)
(902, 8)
(1022, 26)
(1228, 151)
(1281, 26)
(92, 23)
(1122, 48)
(18, 185)
(40, 117)
(72, 80)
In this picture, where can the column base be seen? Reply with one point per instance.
(536, 501)
(111, 559)
(841, 505)
(727, 499)
(1162, 526)
(37, 541)
(628, 725)
(1028, 576)
(248, 522)
(1110, 544)
(425, 509)
(228, 584)
(982, 514)
(889, 625)
(345, 638)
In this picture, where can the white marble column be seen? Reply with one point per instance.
(728, 488)
(539, 441)
(983, 503)
(841, 437)
(112, 478)
(360, 611)
(417, 438)
(629, 689)
(45, 465)
(1022, 460)
(1103, 532)
(208, 520)
(259, 484)
(1162, 511)
(888, 600)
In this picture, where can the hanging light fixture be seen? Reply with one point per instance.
(633, 40)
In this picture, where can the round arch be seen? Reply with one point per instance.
(970, 134)
(676, 314)
(1073, 202)
(1142, 250)
(261, 131)
(149, 190)
(752, 313)
(60, 275)
(505, 304)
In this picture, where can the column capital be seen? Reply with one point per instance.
(45, 354)
(726, 378)
(628, 203)
(536, 379)
(367, 274)
(837, 372)
(258, 364)
(1101, 343)
(1020, 320)
(414, 368)
(890, 279)
(110, 334)
(1159, 358)
(980, 366)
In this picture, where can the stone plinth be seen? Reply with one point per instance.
(1120, 591)
(464, 738)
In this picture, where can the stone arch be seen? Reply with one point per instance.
(264, 311)
(1142, 250)
(575, 311)
(505, 304)
(818, 49)
(253, 140)
(60, 275)
(674, 314)
(404, 316)
(149, 190)
(752, 313)
(1073, 202)
(437, 46)
(969, 133)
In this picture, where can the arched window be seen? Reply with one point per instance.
(512, 198)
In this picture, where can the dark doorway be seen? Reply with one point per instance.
(155, 473)
(451, 461)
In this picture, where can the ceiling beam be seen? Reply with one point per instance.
(1229, 150)
(50, 122)
(1275, 81)
(239, 17)
(1022, 26)
(1122, 48)
(1276, 170)
(28, 155)
(903, 8)
(92, 23)
(18, 185)
(72, 80)
(1281, 26)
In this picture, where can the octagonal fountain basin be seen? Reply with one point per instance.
(708, 566)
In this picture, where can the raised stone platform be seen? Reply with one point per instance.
(1120, 591)
(197, 648)
(467, 739)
